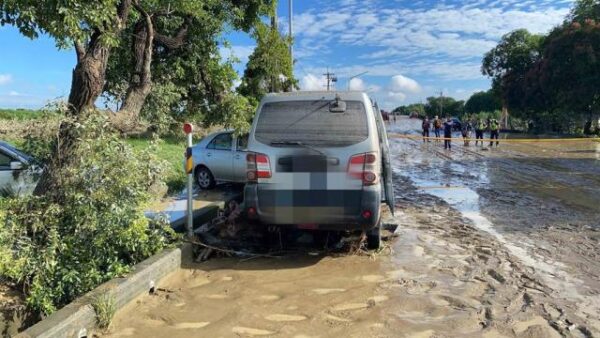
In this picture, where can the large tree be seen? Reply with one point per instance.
(515, 53)
(94, 29)
(584, 10)
(509, 61)
(482, 102)
(181, 73)
(417, 108)
(569, 72)
(444, 106)
(269, 66)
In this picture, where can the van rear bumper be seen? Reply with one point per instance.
(324, 209)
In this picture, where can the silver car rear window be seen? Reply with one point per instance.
(311, 123)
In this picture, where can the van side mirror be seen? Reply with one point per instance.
(16, 165)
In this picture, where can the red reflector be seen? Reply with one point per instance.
(367, 214)
(251, 211)
(188, 128)
(263, 174)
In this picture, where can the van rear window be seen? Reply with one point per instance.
(311, 123)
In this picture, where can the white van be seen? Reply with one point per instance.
(319, 160)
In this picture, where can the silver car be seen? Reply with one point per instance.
(220, 157)
(18, 173)
(319, 160)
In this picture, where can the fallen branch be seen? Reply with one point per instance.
(233, 252)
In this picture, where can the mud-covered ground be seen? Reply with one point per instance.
(490, 243)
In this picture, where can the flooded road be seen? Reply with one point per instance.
(491, 243)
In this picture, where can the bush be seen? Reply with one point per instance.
(57, 251)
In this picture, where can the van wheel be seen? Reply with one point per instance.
(374, 238)
(204, 178)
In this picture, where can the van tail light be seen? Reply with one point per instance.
(364, 167)
(257, 166)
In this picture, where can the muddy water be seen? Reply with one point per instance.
(478, 254)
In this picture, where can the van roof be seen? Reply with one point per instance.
(314, 95)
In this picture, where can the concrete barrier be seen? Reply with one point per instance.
(78, 319)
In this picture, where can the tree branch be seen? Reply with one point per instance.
(176, 41)
(123, 12)
(147, 57)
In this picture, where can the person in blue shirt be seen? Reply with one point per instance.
(448, 134)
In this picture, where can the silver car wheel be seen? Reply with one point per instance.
(204, 178)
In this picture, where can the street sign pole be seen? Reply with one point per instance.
(189, 168)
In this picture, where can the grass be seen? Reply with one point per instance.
(19, 114)
(170, 150)
(105, 306)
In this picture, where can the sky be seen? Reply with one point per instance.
(410, 49)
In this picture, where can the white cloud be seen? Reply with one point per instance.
(399, 88)
(357, 84)
(397, 96)
(401, 83)
(5, 79)
(313, 82)
(412, 34)
(445, 70)
(13, 93)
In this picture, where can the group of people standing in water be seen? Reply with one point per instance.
(448, 125)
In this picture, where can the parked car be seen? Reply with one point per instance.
(220, 157)
(319, 160)
(456, 124)
(18, 172)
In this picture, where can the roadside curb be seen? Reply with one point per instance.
(78, 319)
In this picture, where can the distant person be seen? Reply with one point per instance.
(530, 126)
(494, 131)
(426, 126)
(466, 130)
(394, 118)
(437, 126)
(448, 133)
(479, 129)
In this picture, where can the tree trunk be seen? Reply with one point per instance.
(88, 75)
(86, 86)
(127, 118)
(504, 117)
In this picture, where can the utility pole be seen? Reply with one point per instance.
(441, 104)
(291, 32)
(331, 78)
